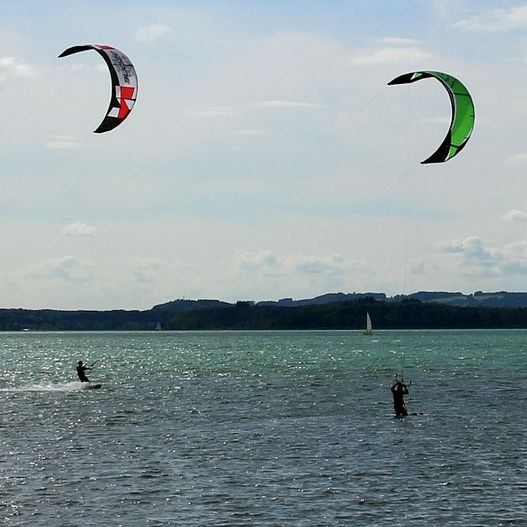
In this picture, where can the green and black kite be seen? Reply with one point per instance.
(463, 113)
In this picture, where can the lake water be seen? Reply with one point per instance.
(263, 429)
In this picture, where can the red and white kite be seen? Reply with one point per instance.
(124, 84)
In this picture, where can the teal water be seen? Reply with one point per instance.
(263, 429)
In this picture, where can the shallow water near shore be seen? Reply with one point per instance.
(263, 429)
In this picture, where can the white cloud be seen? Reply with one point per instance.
(248, 132)
(66, 268)
(287, 104)
(515, 215)
(472, 257)
(397, 41)
(258, 260)
(445, 7)
(318, 265)
(496, 20)
(63, 142)
(231, 111)
(220, 111)
(144, 270)
(302, 264)
(392, 50)
(266, 274)
(516, 159)
(11, 66)
(417, 267)
(79, 229)
(471, 245)
(437, 120)
(152, 32)
(390, 55)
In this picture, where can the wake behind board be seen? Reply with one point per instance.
(89, 386)
(408, 415)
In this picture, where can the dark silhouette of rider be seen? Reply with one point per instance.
(81, 371)
(399, 390)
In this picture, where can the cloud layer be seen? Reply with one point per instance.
(265, 157)
(496, 20)
(79, 229)
(152, 32)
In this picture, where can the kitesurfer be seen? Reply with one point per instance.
(399, 390)
(81, 369)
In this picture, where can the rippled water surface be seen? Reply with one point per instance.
(263, 429)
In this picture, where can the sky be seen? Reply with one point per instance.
(266, 156)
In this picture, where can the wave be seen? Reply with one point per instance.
(46, 387)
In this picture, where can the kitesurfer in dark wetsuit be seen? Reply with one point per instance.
(81, 369)
(399, 390)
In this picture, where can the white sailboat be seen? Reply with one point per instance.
(369, 327)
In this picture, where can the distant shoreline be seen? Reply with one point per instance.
(311, 314)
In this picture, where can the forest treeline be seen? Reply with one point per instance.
(408, 314)
(216, 315)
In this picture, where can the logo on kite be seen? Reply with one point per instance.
(124, 84)
(463, 113)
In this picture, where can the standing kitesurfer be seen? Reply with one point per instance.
(399, 390)
(81, 369)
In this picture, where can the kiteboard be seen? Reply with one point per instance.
(89, 386)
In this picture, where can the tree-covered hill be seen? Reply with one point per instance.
(404, 313)
(409, 314)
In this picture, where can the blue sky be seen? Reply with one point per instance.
(265, 157)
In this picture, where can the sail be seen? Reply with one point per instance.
(369, 327)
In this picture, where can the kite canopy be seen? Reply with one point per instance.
(124, 84)
(463, 113)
